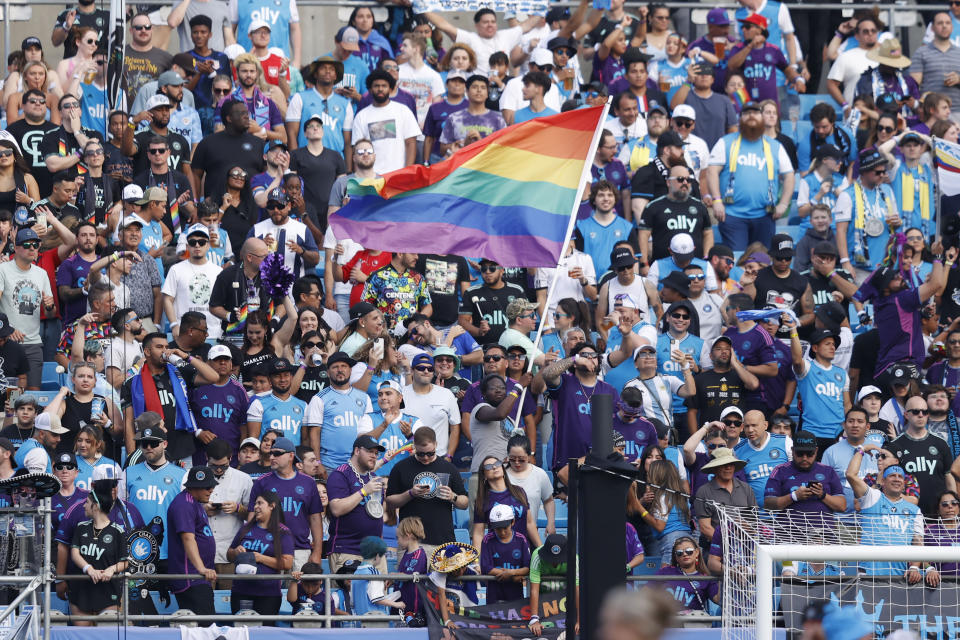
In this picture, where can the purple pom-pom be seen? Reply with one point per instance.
(275, 277)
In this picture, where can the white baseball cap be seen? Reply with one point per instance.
(106, 472)
(254, 441)
(685, 111)
(220, 351)
(49, 422)
(158, 100)
(541, 57)
(198, 228)
(682, 244)
(729, 410)
(132, 192)
(868, 390)
(258, 24)
(501, 514)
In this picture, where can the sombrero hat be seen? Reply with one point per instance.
(450, 556)
(45, 484)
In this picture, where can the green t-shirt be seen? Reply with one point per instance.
(540, 570)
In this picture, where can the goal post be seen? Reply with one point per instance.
(769, 554)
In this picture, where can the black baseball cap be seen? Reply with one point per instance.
(622, 257)
(281, 365)
(360, 309)
(367, 442)
(822, 334)
(831, 314)
(781, 246)
(200, 478)
(804, 441)
(5, 329)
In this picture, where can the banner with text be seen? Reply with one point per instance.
(502, 620)
(527, 7)
(889, 603)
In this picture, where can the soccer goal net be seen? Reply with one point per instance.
(777, 564)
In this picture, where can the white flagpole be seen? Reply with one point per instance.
(571, 223)
(937, 193)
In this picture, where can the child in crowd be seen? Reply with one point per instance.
(449, 562)
(309, 594)
(414, 560)
(369, 596)
(504, 554)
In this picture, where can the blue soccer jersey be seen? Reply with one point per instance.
(285, 416)
(822, 391)
(152, 490)
(691, 345)
(337, 414)
(761, 462)
(887, 522)
(598, 240)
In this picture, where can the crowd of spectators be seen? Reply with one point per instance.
(767, 296)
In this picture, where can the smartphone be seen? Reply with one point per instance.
(216, 505)
(13, 394)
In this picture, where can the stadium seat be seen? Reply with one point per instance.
(807, 101)
(461, 518)
(462, 535)
(50, 378)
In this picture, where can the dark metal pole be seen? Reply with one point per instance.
(573, 525)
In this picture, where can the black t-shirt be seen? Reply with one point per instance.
(179, 151)
(180, 444)
(650, 182)
(929, 460)
(484, 303)
(13, 433)
(444, 276)
(822, 289)
(255, 470)
(174, 180)
(29, 136)
(13, 360)
(200, 351)
(117, 166)
(950, 301)
(436, 514)
(230, 297)
(715, 392)
(218, 153)
(59, 142)
(250, 362)
(866, 346)
(782, 293)
(99, 19)
(77, 415)
(101, 550)
(315, 379)
(318, 174)
(93, 202)
(665, 218)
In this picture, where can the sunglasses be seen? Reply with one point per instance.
(312, 345)
(490, 466)
(93, 152)
(918, 412)
(680, 316)
(6, 153)
(363, 152)
(238, 174)
(274, 206)
(884, 129)
(443, 360)
(220, 467)
(683, 122)
(71, 467)
(804, 454)
(221, 92)
(70, 105)
(628, 267)
(515, 356)
(689, 551)
(588, 354)
(489, 269)
(647, 354)
(30, 244)
(950, 503)
(713, 445)
(197, 242)
(681, 179)
(517, 458)
(492, 358)
(89, 42)
(424, 368)
(696, 276)
(914, 238)
(133, 319)
(425, 454)
(883, 456)
(148, 444)
(277, 454)
(527, 315)
(36, 101)
(156, 151)
(733, 423)
(142, 27)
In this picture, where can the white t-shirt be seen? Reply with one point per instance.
(21, 298)
(424, 84)
(848, 68)
(350, 249)
(234, 486)
(122, 355)
(190, 286)
(503, 40)
(512, 96)
(696, 153)
(388, 128)
(437, 409)
(566, 287)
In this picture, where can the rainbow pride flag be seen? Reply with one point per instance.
(508, 197)
(740, 97)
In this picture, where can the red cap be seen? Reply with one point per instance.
(757, 20)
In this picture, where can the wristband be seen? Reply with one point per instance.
(840, 35)
(842, 260)
(518, 388)
(85, 568)
(410, 493)
(793, 494)
(859, 450)
(514, 394)
(644, 514)
(363, 492)
(930, 568)
(831, 274)
(794, 334)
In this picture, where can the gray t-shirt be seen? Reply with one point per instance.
(219, 13)
(488, 438)
(21, 298)
(536, 484)
(714, 116)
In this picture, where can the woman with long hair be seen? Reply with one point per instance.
(868, 118)
(97, 199)
(945, 130)
(260, 343)
(89, 447)
(83, 407)
(366, 322)
(686, 563)
(82, 63)
(654, 32)
(17, 186)
(459, 57)
(14, 81)
(918, 256)
(944, 532)
(239, 210)
(494, 487)
(735, 87)
(35, 75)
(99, 550)
(268, 539)
(770, 114)
(532, 479)
(669, 514)
(373, 46)
(310, 319)
(887, 128)
(569, 313)
(434, 38)
(383, 362)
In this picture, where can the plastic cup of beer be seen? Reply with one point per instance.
(665, 82)
(720, 47)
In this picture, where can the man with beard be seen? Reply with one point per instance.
(333, 414)
(34, 454)
(123, 349)
(719, 387)
(290, 237)
(179, 207)
(72, 273)
(391, 126)
(804, 485)
(184, 119)
(760, 60)
(157, 115)
(483, 307)
(639, 151)
(189, 283)
(650, 181)
(85, 14)
(780, 286)
(743, 182)
(571, 393)
(676, 212)
(334, 111)
(280, 410)
(825, 131)
(28, 132)
(234, 146)
(721, 262)
(142, 61)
